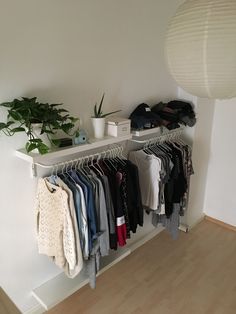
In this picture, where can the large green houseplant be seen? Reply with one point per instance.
(24, 113)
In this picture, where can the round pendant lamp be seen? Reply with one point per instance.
(201, 48)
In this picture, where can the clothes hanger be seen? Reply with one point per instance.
(108, 160)
(147, 148)
(179, 140)
(151, 147)
(81, 167)
(86, 166)
(121, 149)
(120, 156)
(62, 172)
(96, 164)
(173, 141)
(114, 155)
(68, 171)
(158, 152)
(162, 143)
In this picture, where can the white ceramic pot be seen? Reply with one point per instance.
(98, 127)
(36, 130)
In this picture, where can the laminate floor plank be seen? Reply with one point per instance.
(195, 274)
(6, 305)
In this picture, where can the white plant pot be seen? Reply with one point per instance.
(36, 130)
(98, 127)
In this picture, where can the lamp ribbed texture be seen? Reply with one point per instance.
(201, 48)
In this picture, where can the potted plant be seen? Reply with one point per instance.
(98, 119)
(38, 120)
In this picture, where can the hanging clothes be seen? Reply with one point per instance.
(84, 212)
(164, 170)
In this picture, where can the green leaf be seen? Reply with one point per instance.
(67, 127)
(62, 110)
(55, 105)
(10, 123)
(19, 129)
(64, 118)
(35, 140)
(30, 146)
(15, 115)
(3, 125)
(29, 99)
(6, 104)
(43, 149)
(56, 142)
(46, 131)
(107, 114)
(72, 119)
(95, 111)
(100, 106)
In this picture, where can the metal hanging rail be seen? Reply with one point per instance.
(112, 152)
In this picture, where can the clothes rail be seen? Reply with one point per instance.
(111, 152)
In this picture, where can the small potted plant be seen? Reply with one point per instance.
(98, 119)
(38, 120)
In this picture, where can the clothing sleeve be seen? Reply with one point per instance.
(69, 240)
(121, 230)
(84, 223)
(37, 206)
(71, 237)
(104, 237)
(120, 218)
(138, 199)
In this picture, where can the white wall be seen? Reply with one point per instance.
(70, 52)
(200, 154)
(220, 200)
(200, 138)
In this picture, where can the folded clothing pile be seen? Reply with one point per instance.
(171, 115)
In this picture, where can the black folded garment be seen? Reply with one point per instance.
(143, 118)
(174, 113)
(185, 112)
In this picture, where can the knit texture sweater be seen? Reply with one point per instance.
(55, 231)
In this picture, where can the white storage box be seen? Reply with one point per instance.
(116, 126)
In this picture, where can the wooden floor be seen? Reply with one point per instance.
(6, 305)
(194, 275)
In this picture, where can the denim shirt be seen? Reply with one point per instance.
(91, 214)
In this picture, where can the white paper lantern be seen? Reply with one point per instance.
(201, 48)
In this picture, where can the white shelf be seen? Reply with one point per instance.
(146, 132)
(66, 151)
